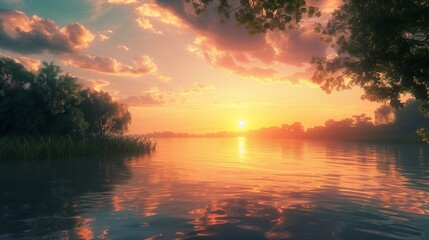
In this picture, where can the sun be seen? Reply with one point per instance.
(241, 123)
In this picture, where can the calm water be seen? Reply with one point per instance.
(224, 189)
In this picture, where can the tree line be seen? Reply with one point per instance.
(49, 102)
(391, 125)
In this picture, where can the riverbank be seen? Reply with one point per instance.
(67, 147)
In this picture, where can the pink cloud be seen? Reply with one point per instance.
(31, 64)
(142, 64)
(24, 34)
(197, 89)
(150, 97)
(96, 84)
(122, 1)
(232, 47)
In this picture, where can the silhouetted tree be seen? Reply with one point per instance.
(409, 118)
(18, 109)
(49, 102)
(294, 130)
(104, 116)
(384, 114)
(60, 100)
(382, 46)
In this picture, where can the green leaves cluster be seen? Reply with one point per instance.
(382, 46)
(258, 16)
(48, 102)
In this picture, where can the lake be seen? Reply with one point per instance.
(234, 188)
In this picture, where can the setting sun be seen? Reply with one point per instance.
(241, 123)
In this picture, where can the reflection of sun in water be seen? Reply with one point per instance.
(241, 123)
(241, 146)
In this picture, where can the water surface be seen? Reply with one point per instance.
(224, 189)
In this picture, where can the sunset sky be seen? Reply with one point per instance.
(175, 70)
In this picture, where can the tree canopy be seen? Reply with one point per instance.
(382, 46)
(259, 16)
(49, 102)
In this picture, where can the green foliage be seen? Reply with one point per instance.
(49, 102)
(382, 46)
(105, 117)
(424, 132)
(59, 95)
(260, 15)
(54, 148)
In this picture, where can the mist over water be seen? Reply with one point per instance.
(234, 188)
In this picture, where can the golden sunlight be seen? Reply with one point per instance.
(241, 123)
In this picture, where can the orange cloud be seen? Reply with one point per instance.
(142, 64)
(231, 47)
(148, 12)
(122, 1)
(32, 64)
(149, 97)
(197, 89)
(124, 47)
(20, 33)
(96, 84)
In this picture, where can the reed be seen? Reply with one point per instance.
(68, 147)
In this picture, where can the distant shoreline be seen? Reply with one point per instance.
(407, 139)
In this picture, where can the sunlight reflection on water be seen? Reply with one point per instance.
(225, 189)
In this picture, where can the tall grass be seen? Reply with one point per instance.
(53, 148)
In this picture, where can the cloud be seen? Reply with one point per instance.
(96, 84)
(232, 47)
(150, 97)
(24, 34)
(147, 25)
(295, 47)
(230, 60)
(150, 12)
(124, 47)
(31, 64)
(142, 64)
(121, 1)
(103, 37)
(197, 89)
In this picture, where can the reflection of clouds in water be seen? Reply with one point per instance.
(202, 189)
(51, 198)
(320, 218)
(246, 219)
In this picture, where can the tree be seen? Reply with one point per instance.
(258, 16)
(104, 116)
(48, 102)
(384, 114)
(382, 46)
(18, 110)
(59, 98)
